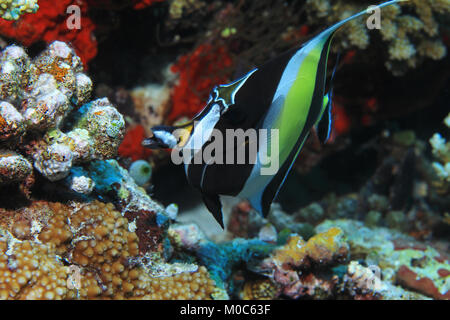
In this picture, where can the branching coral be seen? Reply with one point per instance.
(48, 91)
(13, 9)
(410, 29)
(441, 151)
(56, 251)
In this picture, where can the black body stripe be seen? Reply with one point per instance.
(253, 100)
(314, 112)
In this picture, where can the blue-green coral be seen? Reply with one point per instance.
(13, 9)
(222, 259)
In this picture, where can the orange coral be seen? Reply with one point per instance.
(292, 265)
(100, 253)
(322, 248)
(30, 272)
(197, 285)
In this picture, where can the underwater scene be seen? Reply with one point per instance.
(225, 149)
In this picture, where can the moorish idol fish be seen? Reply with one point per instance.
(285, 98)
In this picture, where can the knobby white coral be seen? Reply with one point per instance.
(441, 151)
(43, 111)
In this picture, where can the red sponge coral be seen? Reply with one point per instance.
(49, 23)
(141, 4)
(131, 145)
(199, 71)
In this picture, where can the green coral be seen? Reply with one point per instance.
(13, 9)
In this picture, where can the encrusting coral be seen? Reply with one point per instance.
(291, 266)
(45, 114)
(399, 258)
(83, 251)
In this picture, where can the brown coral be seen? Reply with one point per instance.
(84, 251)
(260, 290)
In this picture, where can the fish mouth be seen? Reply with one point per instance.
(154, 143)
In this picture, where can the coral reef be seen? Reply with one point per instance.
(13, 9)
(114, 182)
(246, 222)
(410, 29)
(363, 283)
(259, 290)
(400, 258)
(49, 91)
(223, 260)
(441, 151)
(79, 210)
(83, 251)
(288, 266)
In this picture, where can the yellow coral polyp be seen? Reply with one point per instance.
(93, 238)
(321, 248)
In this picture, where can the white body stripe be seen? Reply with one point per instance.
(201, 133)
(257, 183)
(166, 137)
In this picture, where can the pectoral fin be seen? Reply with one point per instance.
(324, 125)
